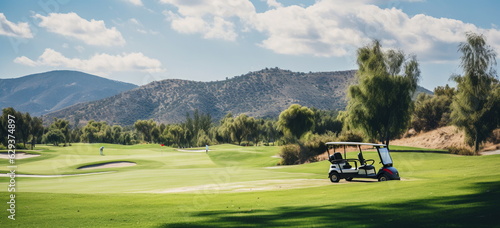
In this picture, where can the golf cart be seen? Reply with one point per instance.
(342, 167)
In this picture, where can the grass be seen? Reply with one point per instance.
(437, 190)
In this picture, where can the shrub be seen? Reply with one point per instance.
(461, 151)
(20, 146)
(316, 144)
(290, 154)
(495, 137)
(351, 136)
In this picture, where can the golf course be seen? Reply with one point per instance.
(149, 185)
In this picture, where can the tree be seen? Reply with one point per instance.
(271, 132)
(24, 127)
(223, 131)
(18, 118)
(203, 138)
(196, 124)
(63, 126)
(432, 111)
(145, 127)
(240, 128)
(476, 107)
(257, 130)
(380, 104)
(96, 132)
(155, 134)
(296, 121)
(116, 132)
(326, 121)
(176, 134)
(36, 130)
(54, 136)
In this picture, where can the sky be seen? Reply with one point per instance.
(139, 41)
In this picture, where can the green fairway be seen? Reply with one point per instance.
(235, 186)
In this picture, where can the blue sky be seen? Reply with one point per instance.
(140, 41)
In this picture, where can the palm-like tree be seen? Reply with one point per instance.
(476, 107)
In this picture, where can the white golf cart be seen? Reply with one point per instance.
(342, 167)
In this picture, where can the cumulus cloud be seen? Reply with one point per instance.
(211, 19)
(8, 28)
(93, 32)
(99, 63)
(326, 28)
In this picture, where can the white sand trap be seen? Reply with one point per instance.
(248, 186)
(195, 151)
(57, 175)
(490, 152)
(19, 155)
(108, 165)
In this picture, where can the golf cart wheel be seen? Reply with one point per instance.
(334, 177)
(383, 177)
(349, 179)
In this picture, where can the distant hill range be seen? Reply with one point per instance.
(264, 93)
(46, 92)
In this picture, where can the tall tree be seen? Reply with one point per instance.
(476, 107)
(241, 127)
(64, 127)
(145, 127)
(224, 130)
(296, 121)
(36, 130)
(380, 104)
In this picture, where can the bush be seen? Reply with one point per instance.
(351, 136)
(495, 137)
(21, 146)
(461, 151)
(316, 144)
(290, 154)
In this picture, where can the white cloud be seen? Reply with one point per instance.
(25, 61)
(135, 2)
(211, 19)
(91, 32)
(99, 63)
(326, 28)
(274, 3)
(8, 28)
(334, 27)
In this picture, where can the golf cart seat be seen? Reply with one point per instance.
(363, 164)
(337, 157)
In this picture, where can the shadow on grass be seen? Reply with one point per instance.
(474, 210)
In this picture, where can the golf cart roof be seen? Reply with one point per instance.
(354, 144)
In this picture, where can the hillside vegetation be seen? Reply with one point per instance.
(263, 93)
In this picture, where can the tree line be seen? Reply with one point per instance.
(198, 129)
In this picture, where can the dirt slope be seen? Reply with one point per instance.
(440, 138)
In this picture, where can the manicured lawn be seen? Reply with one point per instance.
(233, 186)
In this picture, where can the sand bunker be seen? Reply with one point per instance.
(108, 165)
(56, 175)
(19, 155)
(495, 152)
(195, 151)
(248, 186)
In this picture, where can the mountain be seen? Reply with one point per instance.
(46, 92)
(264, 93)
